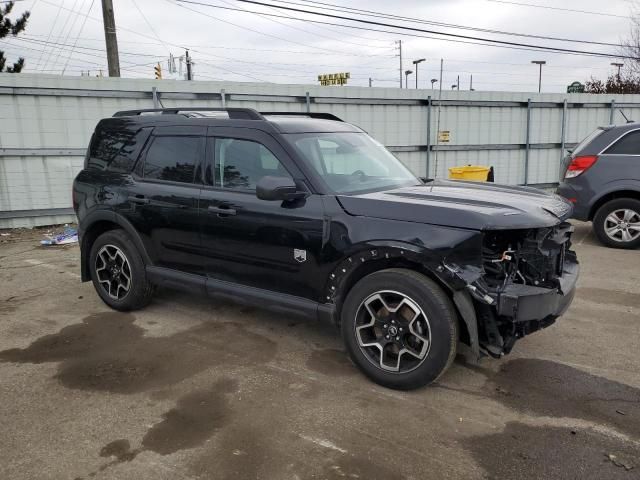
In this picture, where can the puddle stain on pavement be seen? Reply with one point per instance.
(552, 453)
(549, 389)
(108, 352)
(609, 297)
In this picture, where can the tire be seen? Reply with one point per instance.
(624, 210)
(139, 292)
(395, 295)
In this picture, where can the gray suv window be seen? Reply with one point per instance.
(627, 145)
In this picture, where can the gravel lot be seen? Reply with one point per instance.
(191, 388)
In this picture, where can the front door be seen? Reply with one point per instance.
(163, 197)
(266, 244)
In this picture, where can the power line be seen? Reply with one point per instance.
(603, 14)
(53, 25)
(509, 45)
(73, 13)
(245, 27)
(375, 14)
(155, 34)
(266, 17)
(415, 29)
(78, 36)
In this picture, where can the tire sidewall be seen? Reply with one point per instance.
(138, 276)
(441, 319)
(604, 211)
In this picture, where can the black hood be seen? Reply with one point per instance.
(479, 206)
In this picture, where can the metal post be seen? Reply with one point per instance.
(428, 134)
(188, 60)
(399, 42)
(563, 129)
(435, 169)
(370, 82)
(223, 97)
(612, 111)
(110, 38)
(308, 102)
(526, 153)
(154, 95)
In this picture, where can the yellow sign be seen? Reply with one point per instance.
(443, 136)
(334, 78)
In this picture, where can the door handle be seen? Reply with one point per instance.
(221, 210)
(141, 199)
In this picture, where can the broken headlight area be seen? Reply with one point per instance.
(526, 280)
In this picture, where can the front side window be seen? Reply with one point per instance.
(627, 145)
(352, 162)
(240, 164)
(173, 158)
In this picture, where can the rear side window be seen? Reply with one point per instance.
(589, 138)
(627, 145)
(173, 158)
(114, 150)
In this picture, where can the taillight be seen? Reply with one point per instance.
(579, 165)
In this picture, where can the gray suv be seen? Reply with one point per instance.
(601, 177)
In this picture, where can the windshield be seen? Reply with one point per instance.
(352, 162)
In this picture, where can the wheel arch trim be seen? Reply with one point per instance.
(96, 217)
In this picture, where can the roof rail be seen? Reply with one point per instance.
(319, 115)
(236, 113)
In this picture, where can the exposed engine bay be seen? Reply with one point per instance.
(525, 282)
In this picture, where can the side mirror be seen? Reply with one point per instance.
(277, 188)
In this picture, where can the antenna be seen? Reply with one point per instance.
(625, 117)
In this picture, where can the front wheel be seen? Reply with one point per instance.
(617, 223)
(400, 328)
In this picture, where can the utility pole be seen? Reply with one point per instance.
(110, 38)
(540, 63)
(471, 84)
(399, 43)
(458, 83)
(370, 82)
(188, 60)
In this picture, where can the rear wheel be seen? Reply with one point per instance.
(118, 272)
(617, 223)
(399, 328)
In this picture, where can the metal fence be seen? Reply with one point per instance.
(46, 122)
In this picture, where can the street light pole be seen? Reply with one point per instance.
(416, 63)
(619, 65)
(540, 63)
(433, 81)
(406, 77)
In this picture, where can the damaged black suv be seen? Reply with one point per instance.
(306, 214)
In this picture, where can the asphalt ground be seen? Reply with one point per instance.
(192, 388)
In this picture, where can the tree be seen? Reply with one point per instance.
(7, 27)
(623, 83)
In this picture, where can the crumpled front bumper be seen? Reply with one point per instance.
(523, 303)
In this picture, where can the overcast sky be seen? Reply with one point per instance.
(239, 46)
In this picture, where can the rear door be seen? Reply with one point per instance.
(272, 245)
(162, 198)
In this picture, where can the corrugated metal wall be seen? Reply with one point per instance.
(46, 122)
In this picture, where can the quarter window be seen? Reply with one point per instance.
(173, 158)
(240, 164)
(627, 145)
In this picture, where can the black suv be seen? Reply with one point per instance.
(306, 214)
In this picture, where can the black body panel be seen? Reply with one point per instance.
(200, 228)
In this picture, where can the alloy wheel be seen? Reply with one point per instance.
(622, 225)
(113, 271)
(392, 331)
